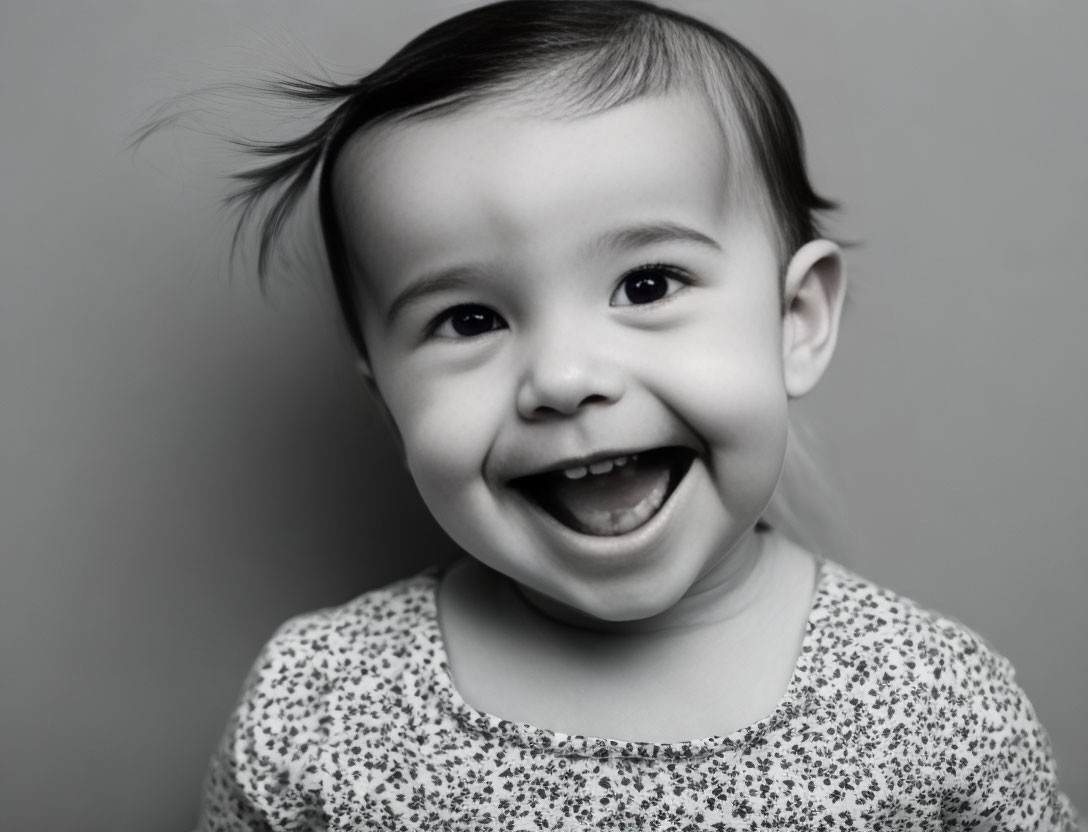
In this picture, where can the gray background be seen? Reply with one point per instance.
(183, 465)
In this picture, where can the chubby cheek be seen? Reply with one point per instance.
(750, 445)
(448, 428)
(746, 431)
(734, 399)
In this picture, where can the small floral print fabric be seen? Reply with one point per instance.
(895, 719)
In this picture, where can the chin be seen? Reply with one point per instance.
(612, 601)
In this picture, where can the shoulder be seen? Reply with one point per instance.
(383, 612)
(936, 693)
(317, 670)
(942, 695)
(897, 663)
(903, 641)
(314, 649)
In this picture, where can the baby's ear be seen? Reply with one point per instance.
(362, 367)
(813, 294)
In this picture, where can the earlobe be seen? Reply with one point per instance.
(362, 367)
(813, 293)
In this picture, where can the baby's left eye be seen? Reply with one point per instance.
(647, 284)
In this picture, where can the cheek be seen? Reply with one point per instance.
(448, 426)
(741, 413)
(448, 434)
(732, 372)
(745, 427)
(730, 389)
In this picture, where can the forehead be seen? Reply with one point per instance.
(495, 182)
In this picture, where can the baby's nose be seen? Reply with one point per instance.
(566, 372)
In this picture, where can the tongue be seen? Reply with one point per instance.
(609, 504)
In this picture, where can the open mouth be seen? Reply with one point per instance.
(610, 496)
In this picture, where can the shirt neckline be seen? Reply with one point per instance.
(798, 696)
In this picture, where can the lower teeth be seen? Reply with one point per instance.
(624, 520)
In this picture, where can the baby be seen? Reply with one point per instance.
(575, 246)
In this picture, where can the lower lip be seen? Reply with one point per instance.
(604, 546)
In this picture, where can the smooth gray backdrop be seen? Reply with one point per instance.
(183, 465)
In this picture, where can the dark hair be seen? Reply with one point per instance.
(583, 55)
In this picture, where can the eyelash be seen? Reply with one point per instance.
(483, 313)
(670, 272)
(448, 316)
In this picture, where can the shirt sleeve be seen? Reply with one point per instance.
(263, 775)
(998, 762)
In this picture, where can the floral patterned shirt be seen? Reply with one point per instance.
(895, 719)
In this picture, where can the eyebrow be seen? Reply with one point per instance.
(648, 234)
(629, 237)
(443, 280)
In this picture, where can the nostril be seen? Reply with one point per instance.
(595, 398)
(553, 410)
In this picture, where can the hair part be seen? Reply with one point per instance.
(573, 58)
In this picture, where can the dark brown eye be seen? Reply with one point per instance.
(468, 321)
(646, 284)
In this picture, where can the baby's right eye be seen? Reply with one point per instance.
(467, 321)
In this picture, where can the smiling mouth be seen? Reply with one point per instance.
(612, 496)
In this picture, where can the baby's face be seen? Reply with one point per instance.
(578, 336)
